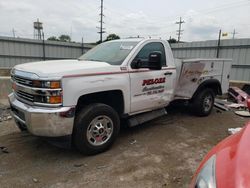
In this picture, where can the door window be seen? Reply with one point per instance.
(149, 48)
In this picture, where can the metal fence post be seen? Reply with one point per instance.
(44, 56)
(82, 46)
(218, 46)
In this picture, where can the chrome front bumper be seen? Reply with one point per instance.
(41, 121)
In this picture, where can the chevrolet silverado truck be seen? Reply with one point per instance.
(83, 100)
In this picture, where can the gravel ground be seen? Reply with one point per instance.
(161, 153)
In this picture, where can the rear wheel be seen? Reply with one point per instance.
(96, 128)
(203, 102)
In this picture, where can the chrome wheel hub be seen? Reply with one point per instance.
(207, 104)
(100, 130)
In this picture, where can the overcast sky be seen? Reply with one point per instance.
(155, 18)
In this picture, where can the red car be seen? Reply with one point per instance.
(227, 165)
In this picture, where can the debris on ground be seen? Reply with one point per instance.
(241, 109)
(238, 96)
(133, 141)
(4, 113)
(236, 106)
(176, 179)
(234, 130)
(35, 180)
(221, 106)
(101, 167)
(80, 165)
(242, 113)
(4, 149)
(218, 111)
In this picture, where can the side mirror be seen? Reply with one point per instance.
(153, 63)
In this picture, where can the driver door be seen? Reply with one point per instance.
(149, 88)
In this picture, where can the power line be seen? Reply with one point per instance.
(180, 31)
(210, 10)
(101, 22)
(232, 4)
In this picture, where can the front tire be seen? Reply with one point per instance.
(96, 128)
(203, 102)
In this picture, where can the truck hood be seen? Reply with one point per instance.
(60, 68)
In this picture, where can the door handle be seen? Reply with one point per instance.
(168, 73)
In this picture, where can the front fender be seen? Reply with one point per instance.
(75, 87)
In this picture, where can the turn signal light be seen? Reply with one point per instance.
(55, 99)
(55, 84)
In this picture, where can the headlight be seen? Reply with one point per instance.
(51, 96)
(46, 84)
(207, 176)
(12, 71)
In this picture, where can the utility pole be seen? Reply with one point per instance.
(82, 46)
(101, 22)
(234, 33)
(14, 32)
(218, 45)
(44, 56)
(180, 31)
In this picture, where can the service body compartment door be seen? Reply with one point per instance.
(196, 71)
(227, 64)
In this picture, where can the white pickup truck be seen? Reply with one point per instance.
(83, 100)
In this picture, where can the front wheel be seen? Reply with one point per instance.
(203, 102)
(96, 128)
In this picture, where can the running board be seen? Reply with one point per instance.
(142, 118)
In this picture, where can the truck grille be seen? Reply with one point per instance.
(25, 96)
(22, 81)
(21, 95)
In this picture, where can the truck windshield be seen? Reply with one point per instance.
(113, 53)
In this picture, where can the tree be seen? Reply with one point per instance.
(112, 37)
(172, 40)
(53, 38)
(64, 38)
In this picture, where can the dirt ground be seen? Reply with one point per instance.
(162, 153)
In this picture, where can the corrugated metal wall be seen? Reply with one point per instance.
(15, 51)
(237, 49)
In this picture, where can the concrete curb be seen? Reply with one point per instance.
(5, 71)
(5, 87)
(239, 84)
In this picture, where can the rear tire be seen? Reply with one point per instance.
(203, 102)
(96, 128)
